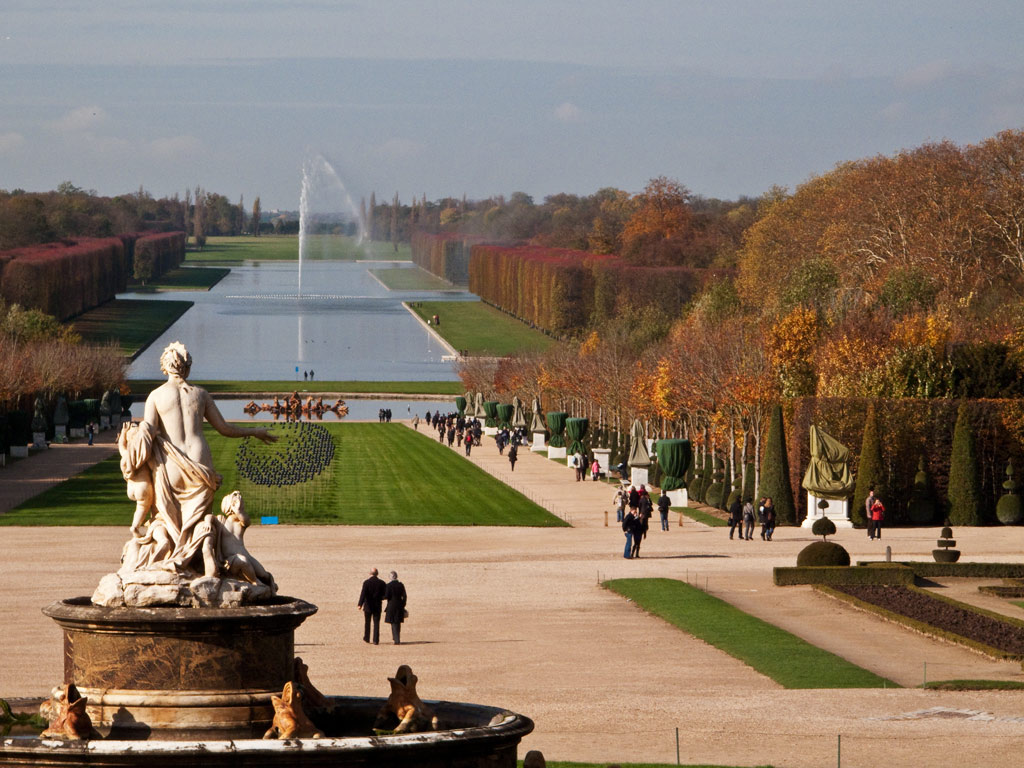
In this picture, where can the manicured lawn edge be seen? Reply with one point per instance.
(415, 279)
(701, 516)
(974, 685)
(479, 329)
(133, 323)
(927, 629)
(775, 653)
(184, 279)
(145, 386)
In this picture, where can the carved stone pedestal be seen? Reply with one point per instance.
(556, 453)
(179, 673)
(538, 441)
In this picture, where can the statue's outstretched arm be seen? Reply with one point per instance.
(216, 420)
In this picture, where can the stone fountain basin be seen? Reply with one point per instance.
(477, 736)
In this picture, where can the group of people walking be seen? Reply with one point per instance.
(371, 602)
(634, 509)
(742, 517)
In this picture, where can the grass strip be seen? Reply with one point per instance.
(411, 279)
(133, 324)
(232, 250)
(480, 330)
(702, 517)
(974, 685)
(775, 653)
(382, 474)
(145, 386)
(184, 279)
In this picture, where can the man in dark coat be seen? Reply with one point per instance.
(370, 601)
(394, 614)
(736, 518)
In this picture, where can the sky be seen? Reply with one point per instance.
(452, 97)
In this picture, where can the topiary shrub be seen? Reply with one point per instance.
(823, 527)
(822, 553)
(946, 553)
(870, 471)
(1008, 508)
(713, 496)
(748, 481)
(964, 491)
(775, 472)
(921, 508)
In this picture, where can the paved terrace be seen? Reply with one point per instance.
(516, 617)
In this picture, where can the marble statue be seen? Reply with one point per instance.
(167, 465)
(65, 711)
(405, 704)
(290, 722)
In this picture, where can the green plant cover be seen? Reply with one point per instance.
(556, 423)
(964, 490)
(775, 471)
(675, 457)
(828, 472)
(576, 429)
(870, 471)
(491, 413)
(460, 403)
(505, 411)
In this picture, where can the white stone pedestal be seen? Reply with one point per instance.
(603, 456)
(639, 476)
(78, 431)
(556, 453)
(39, 440)
(61, 430)
(836, 511)
(104, 422)
(679, 497)
(492, 431)
(19, 451)
(538, 441)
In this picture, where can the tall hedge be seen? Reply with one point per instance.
(964, 493)
(870, 472)
(445, 254)
(775, 471)
(66, 278)
(155, 254)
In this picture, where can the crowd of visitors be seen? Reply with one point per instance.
(742, 517)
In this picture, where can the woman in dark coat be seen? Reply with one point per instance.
(394, 614)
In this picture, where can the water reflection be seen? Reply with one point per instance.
(252, 325)
(358, 409)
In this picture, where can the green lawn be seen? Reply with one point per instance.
(482, 330)
(132, 323)
(226, 250)
(785, 658)
(382, 474)
(702, 517)
(145, 386)
(184, 279)
(414, 279)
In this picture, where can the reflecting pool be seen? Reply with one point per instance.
(346, 326)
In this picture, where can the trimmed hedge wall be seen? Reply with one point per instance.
(66, 278)
(445, 255)
(155, 254)
(562, 291)
(837, 574)
(926, 569)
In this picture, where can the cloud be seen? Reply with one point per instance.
(397, 149)
(926, 74)
(567, 112)
(79, 120)
(175, 147)
(9, 142)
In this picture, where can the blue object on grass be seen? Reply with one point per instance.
(268, 520)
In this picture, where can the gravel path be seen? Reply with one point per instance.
(517, 618)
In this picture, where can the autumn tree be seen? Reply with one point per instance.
(661, 213)
(256, 214)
